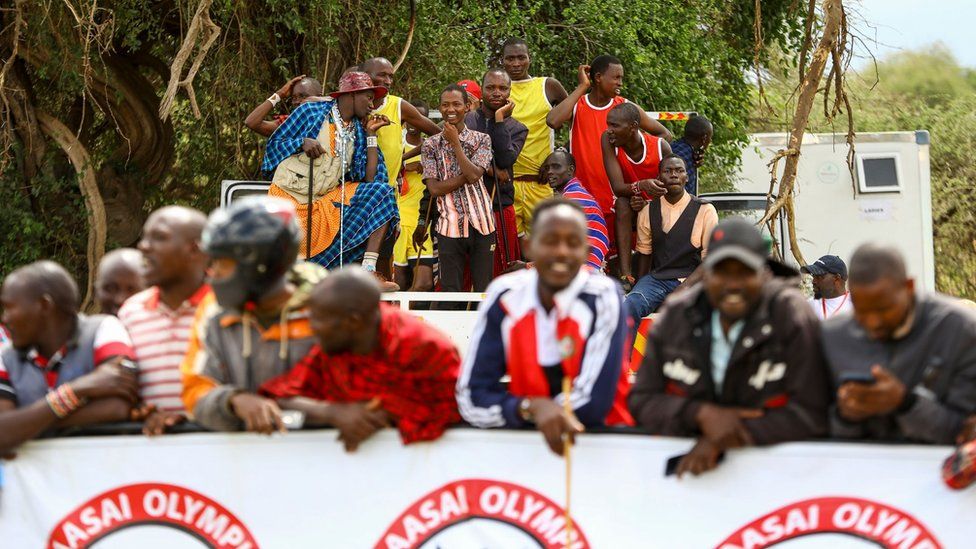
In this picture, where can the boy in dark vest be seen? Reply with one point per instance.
(672, 240)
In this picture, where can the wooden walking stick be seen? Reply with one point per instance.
(422, 247)
(308, 211)
(567, 456)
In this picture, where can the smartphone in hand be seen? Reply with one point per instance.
(671, 466)
(861, 378)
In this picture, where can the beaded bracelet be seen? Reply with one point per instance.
(63, 401)
(55, 404)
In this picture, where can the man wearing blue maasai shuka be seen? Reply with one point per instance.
(352, 203)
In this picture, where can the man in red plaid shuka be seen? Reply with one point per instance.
(375, 366)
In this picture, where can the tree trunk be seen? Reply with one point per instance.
(81, 161)
(833, 13)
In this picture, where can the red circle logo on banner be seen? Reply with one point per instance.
(881, 524)
(151, 504)
(489, 512)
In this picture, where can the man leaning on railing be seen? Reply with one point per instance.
(735, 360)
(62, 368)
(905, 361)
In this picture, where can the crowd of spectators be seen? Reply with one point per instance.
(253, 319)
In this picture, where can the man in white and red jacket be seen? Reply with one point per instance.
(542, 325)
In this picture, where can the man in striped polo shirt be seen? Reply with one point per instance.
(559, 171)
(159, 318)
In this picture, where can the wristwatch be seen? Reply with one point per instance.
(525, 409)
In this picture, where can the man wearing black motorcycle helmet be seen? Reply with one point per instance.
(255, 325)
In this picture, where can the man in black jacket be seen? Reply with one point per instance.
(494, 117)
(735, 360)
(905, 362)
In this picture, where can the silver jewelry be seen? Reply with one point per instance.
(371, 141)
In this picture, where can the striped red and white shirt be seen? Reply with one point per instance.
(160, 337)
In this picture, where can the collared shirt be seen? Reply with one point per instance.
(705, 222)
(596, 225)
(160, 337)
(470, 204)
(722, 346)
(26, 375)
(507, 140)
(412, 372)
(681, 148)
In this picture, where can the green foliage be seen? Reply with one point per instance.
(678, 55)
(919, 90)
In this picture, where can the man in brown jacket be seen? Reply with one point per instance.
(735, 360)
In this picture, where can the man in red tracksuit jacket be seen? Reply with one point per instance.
(542, 325)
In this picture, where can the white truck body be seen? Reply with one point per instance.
(888, 200)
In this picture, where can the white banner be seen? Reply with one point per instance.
(471, 489)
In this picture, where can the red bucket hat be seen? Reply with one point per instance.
(353, 82)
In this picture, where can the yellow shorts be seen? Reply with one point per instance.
(403, 250)
(527, 195)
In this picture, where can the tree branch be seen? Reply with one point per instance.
(833, 21)
(413, 25)
(201, 23)
(78, 155)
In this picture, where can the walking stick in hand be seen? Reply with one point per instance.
(567, 455)
(308, 211)
(422, 246)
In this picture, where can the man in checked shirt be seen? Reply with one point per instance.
(454, 163)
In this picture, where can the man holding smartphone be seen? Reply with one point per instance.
(905, 362)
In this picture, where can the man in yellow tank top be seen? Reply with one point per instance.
(390, 138)
(533, 98)
(406, 255)
(397, 111)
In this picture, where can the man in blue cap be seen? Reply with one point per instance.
(830, 296)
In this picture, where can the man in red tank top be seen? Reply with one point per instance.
(631, 158)
(588, 114)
